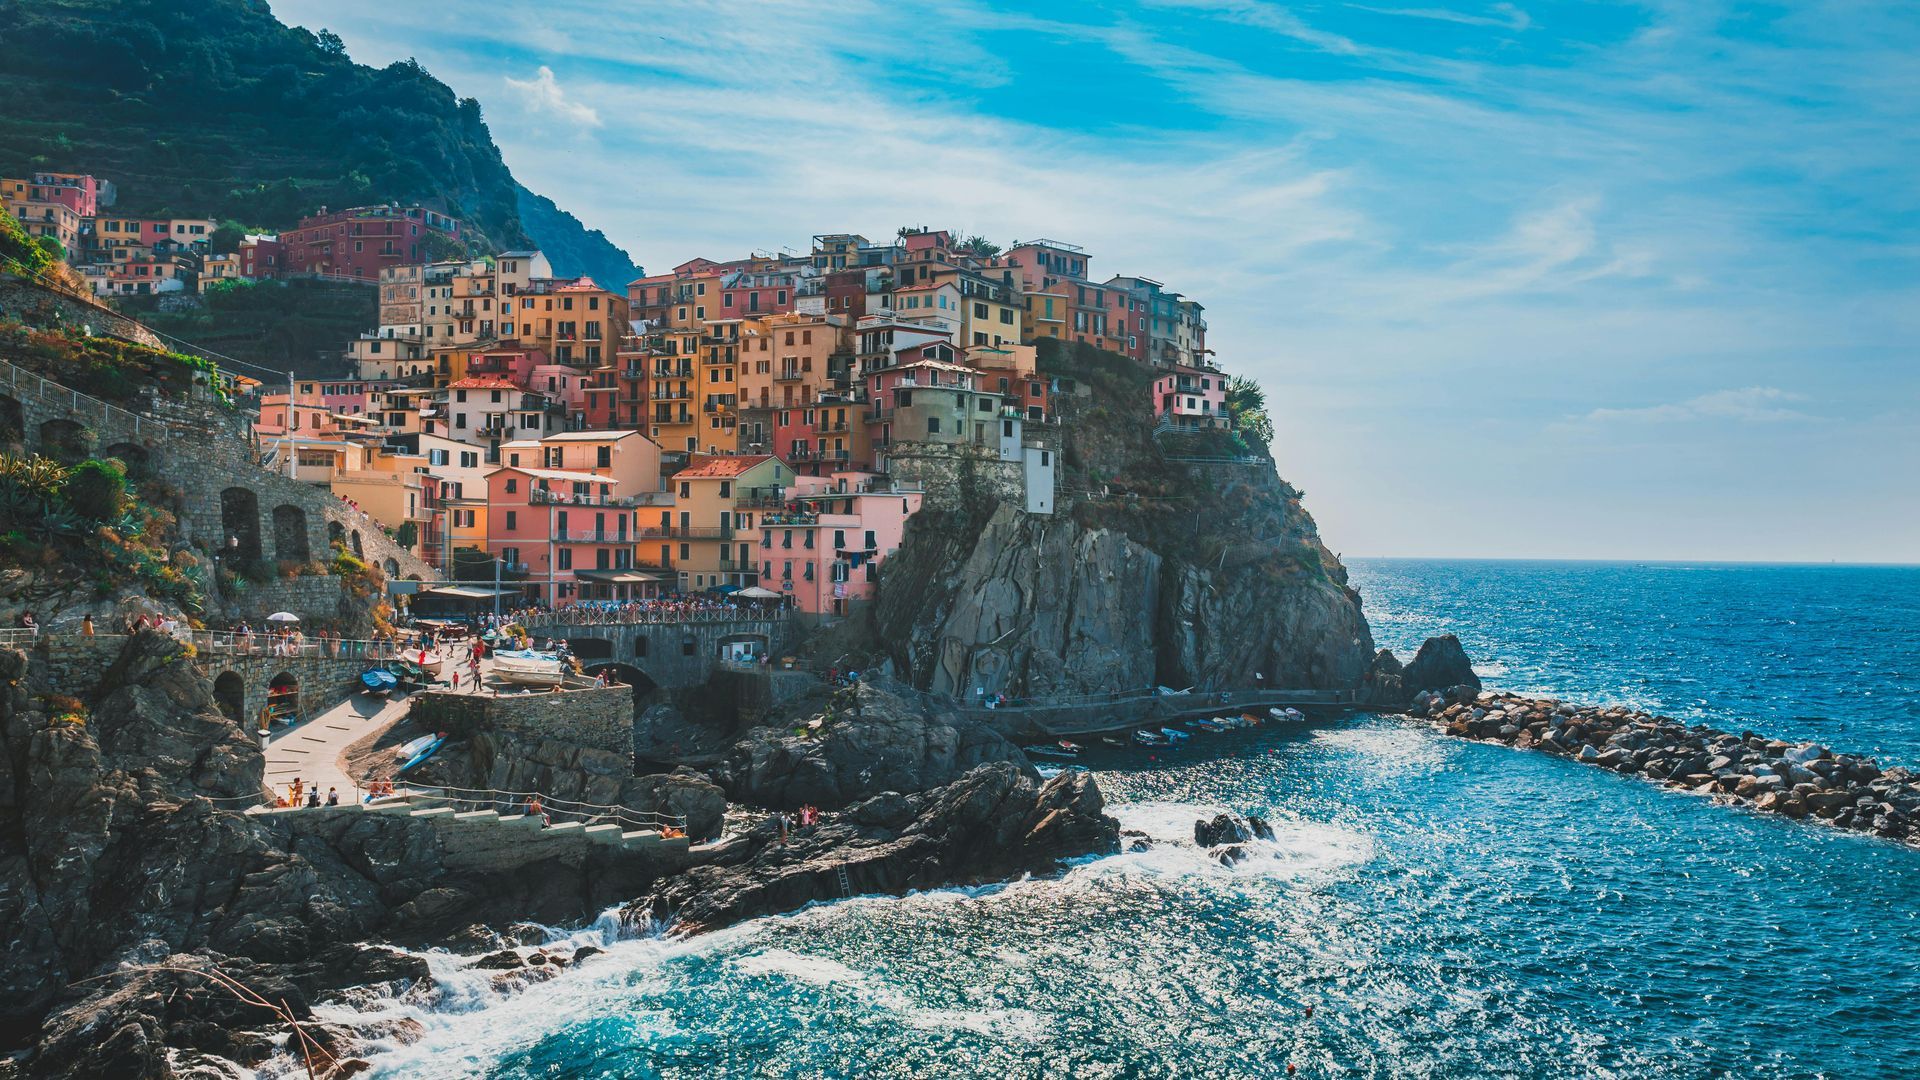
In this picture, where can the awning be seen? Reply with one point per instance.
(468, 592)
(757, 593)
(617, 577)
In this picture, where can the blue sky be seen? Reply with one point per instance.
(1521, 279)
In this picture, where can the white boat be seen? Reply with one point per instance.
(1287, 714)
(525, 667)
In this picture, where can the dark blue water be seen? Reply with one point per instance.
(1449, 909)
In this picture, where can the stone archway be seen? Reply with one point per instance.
(336, 533)
(240, 520)
(591, 648)
(353, 542)
(137, 459)
(230, 692)
(66, 440)
(628, 675)
(391, 566)
(13, 424)
(283, 696)
(290, 534)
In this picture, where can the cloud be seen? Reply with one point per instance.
(1752, 404)
(543, 94)
(1505, 16)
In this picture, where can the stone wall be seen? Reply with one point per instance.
(963, 477)
(202, 449)
(597, 717)
(71, 660)
(39, 306)
(317, 596)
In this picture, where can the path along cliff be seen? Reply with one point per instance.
(1174, 558)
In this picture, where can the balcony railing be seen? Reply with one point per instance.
(683, 532)
(790, 376)
(544, 497)
(592, 537)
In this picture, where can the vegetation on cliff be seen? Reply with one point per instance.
(216, 109)
(112, 369)
(297, 326)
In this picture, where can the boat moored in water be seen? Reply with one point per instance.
(1288, 714)
(1057, 750)
(1150, 738)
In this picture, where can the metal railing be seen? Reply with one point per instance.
(662, 613)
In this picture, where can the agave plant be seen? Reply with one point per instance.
(60, 521)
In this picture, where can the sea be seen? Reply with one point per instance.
(1429, 907)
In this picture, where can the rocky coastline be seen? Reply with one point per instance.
(1803, 781)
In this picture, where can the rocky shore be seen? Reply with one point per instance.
(1798, 780)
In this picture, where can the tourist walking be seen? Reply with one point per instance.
(86, 626)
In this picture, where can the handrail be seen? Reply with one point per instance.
(588, 616)
(107, 409)
(550, 806)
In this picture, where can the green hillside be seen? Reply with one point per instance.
(214, 108)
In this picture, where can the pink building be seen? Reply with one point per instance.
(564, 512)
(1190, 396)
(824, 548)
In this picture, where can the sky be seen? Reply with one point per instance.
(1548, 280)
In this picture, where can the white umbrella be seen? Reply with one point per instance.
(283, 616)
(755, 592)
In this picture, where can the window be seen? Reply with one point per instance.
(839, 538)
(604, 456)
(513, 485)
(933, 425)
(686, 647)
(565, 559)
(513, 520)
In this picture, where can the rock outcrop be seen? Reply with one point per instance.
(1800, 781)
(1441, 664)
(996, 821)
(868, 740)
(1044, 606)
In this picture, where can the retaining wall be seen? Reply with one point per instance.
(599, 717)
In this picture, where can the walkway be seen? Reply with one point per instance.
(313, 750)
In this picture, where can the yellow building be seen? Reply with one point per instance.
(713, 525)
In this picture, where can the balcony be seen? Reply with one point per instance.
(591, 537)
(665, 393)
(791, 376)
(683, 532)
(544, 497)
(825, 425)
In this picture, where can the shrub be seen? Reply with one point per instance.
(97, 490)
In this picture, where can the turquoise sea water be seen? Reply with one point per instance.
(1448, 909)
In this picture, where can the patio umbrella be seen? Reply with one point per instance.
(283, 616)
(757, 593)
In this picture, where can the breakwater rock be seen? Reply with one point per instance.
(1799, 780)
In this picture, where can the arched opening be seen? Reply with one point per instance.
(627, 674)
(136, 458)
(283, 698)
(353, 541)
(391, 566)
(591, 648)
(336, 533)
(240, 519)
(290, 534)
(230, 691)
(13, 424)
(66, 440)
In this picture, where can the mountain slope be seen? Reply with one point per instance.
(217, 109)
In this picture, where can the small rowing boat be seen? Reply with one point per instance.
(1175, 735)
(1055, 751)
(378, 682)
(526, 667)
(425, 752)
(1150, 738)
(1291, 715)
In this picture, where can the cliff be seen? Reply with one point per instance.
(1177, 560)
(217, 109)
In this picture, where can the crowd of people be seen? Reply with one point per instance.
(787, 822)
(678, 608)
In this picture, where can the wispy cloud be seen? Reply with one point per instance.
(542, 94)
(1751, 404)
(1504, 16)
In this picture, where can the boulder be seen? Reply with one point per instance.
(1223, 829)
(1441, 663)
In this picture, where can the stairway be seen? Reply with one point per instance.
(606, 834)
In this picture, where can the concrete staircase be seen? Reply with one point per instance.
(608, 834)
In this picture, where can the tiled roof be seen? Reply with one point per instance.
(721, 464)
(482, 384)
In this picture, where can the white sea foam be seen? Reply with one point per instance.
(1492, 669)
(1299, 849)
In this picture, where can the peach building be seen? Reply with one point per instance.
(823, 545)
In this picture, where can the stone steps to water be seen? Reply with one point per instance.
(603, 834)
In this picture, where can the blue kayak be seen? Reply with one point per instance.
(379, 681)
(424, 754)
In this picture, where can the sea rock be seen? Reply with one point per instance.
(1223, 829)
(875, 740)
(995, 821)
(1232, 855)
(1261, 830)
(1440, 663)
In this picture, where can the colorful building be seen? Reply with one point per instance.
(358, 242)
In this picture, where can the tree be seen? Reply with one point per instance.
(54, 249)
(331, 44)
(978, 245)
(226, 239)
(1247, 404)
(407, 535)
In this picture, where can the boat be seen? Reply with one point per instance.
(1175, 735)
(1150, 738)
(1211, 727)
(378, 681)
(408, 672)
(1252, 719)
(1051, 751)
(1048, 772)
(1112, 740)
(1288, 714)
(1071, 747)
(525, 667)
(425, 753)
(413, 746)
(430, 664)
